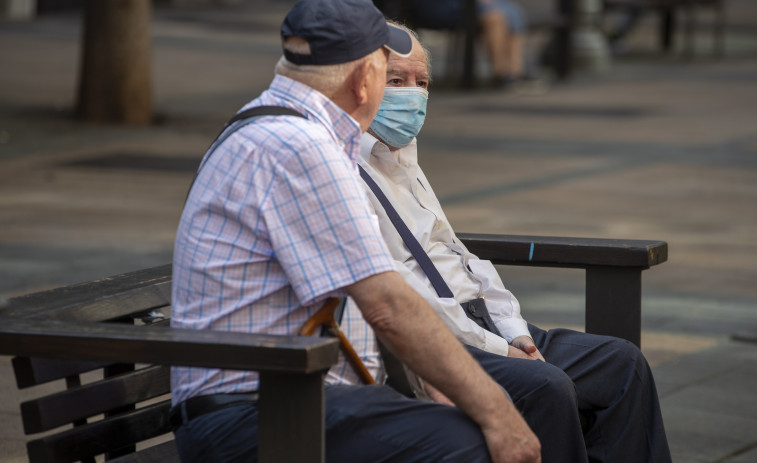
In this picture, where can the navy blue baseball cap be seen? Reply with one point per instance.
(340, 31)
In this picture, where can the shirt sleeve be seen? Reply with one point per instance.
(503, 307)
(321, 230)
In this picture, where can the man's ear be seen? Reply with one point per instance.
(360, 81)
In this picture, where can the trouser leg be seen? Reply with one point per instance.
(376, 424)
(363, 424)
(546, 398)
(226, 435)
(615, 391)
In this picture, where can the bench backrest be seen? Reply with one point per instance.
(95, 408)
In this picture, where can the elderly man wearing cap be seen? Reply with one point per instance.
(276, 221)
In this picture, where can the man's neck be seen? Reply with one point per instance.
(391, 148)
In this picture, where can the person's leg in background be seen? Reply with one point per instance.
(503, 27)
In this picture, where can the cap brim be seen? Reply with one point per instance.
(399, 41)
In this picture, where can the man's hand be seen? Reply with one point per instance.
(517, 445)
(523, 347)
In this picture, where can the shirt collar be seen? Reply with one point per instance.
(372, 146)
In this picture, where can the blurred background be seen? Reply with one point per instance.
(616, 129)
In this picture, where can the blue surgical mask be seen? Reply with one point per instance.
(401, 115)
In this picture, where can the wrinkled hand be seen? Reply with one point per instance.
(511, 442)
(516, 444)
(524, 347)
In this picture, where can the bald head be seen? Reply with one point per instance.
(418, 63)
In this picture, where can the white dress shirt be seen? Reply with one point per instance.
(401, 179)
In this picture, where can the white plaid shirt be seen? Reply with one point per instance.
(276, 222)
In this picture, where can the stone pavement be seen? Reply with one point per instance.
(658, 147)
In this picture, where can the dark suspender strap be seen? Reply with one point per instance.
(259, 111)
(399, 376)
(240, 119)
(407, 236)
(476, 309)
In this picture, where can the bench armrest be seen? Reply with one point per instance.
(291, 368)
(165, 346)
(613, 271)
(552, 251)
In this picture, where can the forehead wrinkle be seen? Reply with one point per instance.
(405, 74)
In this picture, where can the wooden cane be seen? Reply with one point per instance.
(325, 317)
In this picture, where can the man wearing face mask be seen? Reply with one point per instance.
(587, 397)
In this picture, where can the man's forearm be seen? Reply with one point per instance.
(411, 330)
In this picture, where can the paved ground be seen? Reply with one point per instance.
(658, 147)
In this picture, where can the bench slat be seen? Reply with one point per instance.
(124, 304)
(102, 436)
(33, 371)
(85, 401)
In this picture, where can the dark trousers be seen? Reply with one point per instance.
(604, 379)
(607, 380)
(363, 424)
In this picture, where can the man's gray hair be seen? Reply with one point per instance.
(327, 79)
(415, 35)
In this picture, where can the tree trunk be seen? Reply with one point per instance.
(114, 82)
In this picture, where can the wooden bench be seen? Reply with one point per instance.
(77, 332)
(668, 12)
(554, 16)
(116, 328)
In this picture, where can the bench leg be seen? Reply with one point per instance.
(613, 302)
(562, 64)
(292, 408)
(690, 27)
(469, 58)
(667, 28)
(719, 30)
